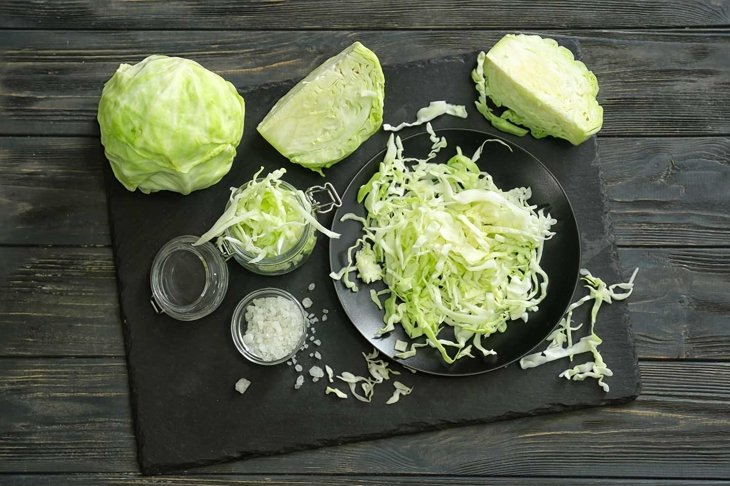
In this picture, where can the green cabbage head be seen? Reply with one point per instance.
(328, 114)
(167, 123)
(541, 85)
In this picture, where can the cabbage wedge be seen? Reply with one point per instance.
(328, 114)
(542, 87)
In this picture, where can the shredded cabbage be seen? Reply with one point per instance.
(561, 340)
(428, 113)
(379, 373)
(453, 249)
(265, 218)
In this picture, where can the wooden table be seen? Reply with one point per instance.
(664, 71)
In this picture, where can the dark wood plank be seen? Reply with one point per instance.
(58, 302)
(661, 191)
(73, 415)
(378, 14)
(52, 192)
(680, 305)
(113, 479)
(651, 83)
(668, 191)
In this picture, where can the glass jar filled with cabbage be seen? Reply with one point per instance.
(269, 226)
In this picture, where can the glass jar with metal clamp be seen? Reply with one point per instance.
(315, 200)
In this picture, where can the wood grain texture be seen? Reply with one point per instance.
(379, 14)
(668, 191)
(58, 302)
(680, 303)
(649, 81)
(52, 191)
(114, 479)
(73, 415)
(661, 191)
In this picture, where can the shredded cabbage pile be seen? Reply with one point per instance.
(452, 248)
(264, 218)
(561, 340)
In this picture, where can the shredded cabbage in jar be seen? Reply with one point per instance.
(452, 248)
(264, 218)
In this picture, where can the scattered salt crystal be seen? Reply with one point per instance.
(242, 385)
(314, 320)
(288, 363)
(307, 302)
(311, 355)
(311, 338)
(324, 311)
(300, 381)
(317, 342)
(311, 286)
(324, 317)
(329, 373)
(315, 379)
(316, 372)
(298, 368)
(317, 355)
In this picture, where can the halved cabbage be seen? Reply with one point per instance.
(167, 123)
(542, 86)
(328, 114)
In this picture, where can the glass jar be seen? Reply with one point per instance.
(239, 325)
(188, 282)
(295, 256)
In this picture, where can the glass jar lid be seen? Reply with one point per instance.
(188, 281)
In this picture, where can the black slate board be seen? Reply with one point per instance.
(182, 375)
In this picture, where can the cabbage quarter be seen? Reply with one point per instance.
(328, 114)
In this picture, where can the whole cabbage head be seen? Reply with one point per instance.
(167, 123)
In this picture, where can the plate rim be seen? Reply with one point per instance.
(338, 214)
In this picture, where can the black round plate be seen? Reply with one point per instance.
(560, 259)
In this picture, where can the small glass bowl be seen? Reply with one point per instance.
(297, 254)
(239, 324)
(188, 282)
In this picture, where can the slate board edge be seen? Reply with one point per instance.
(152, 469)
(131, 372)
(614, 262)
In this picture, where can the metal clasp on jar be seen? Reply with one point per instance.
(322, 207)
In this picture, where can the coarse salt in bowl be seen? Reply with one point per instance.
(269, 326)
